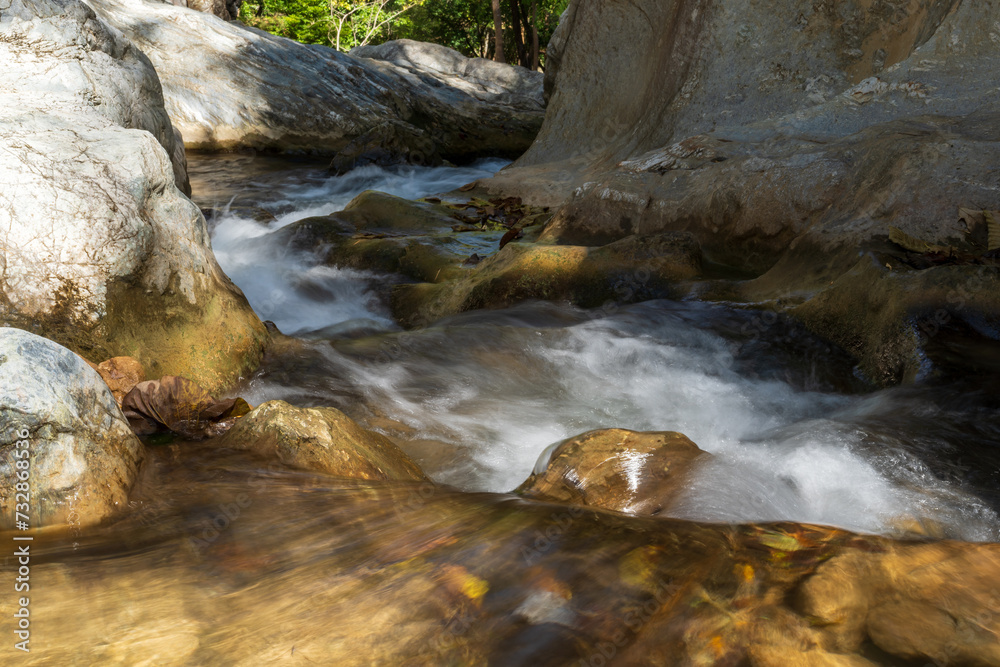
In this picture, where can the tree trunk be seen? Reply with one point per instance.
(535, 62)
(515, 12)
(498, 27)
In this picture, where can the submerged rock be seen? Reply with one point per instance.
(381, 232)
(419, 574)
(916, 602)
(633, 269)
(228, 86)
(102, 252)
(789, 139)
(321, 439)
(626, 471)
(82, 457)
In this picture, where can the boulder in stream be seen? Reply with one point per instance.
(81, 456)
(101, 250)
(320, 439)
(626, 471)
(227, 86)
(797, 141)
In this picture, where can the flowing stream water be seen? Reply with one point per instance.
(223, 557)
(476, 399)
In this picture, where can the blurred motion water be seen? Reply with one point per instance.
(477, 398)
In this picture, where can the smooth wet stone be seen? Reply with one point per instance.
(626, 471)
(381, 232)
(632, 269)
(83, 457)
(320, 439)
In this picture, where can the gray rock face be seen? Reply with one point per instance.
(98, 244)
(83, 458)
(228, 86)
(97, 72)
(788, 136)
(485, 80)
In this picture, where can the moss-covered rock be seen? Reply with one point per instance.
(374, 210)
(632, 269)
(321, 439)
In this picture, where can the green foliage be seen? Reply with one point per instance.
(464, 25)
(302, 20)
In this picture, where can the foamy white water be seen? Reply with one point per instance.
(476, 399)
(291, 289)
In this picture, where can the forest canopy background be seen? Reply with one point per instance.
(464, 25)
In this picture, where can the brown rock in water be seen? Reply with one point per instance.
(321, 439)
(927, 602)
(629, 270)
(615, 469)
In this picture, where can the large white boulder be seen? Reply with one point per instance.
(100, 249)
(228, 86)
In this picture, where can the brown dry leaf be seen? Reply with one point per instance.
(509, 236)
(468, 186)
(993, 226)
(971, 217)
(913, 244)
(181, 406)
(121, 374)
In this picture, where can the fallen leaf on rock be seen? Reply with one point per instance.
(913, 244)
(121, 374)
(468, 186)
(182, 406)
(993, 226)
(511, 234)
